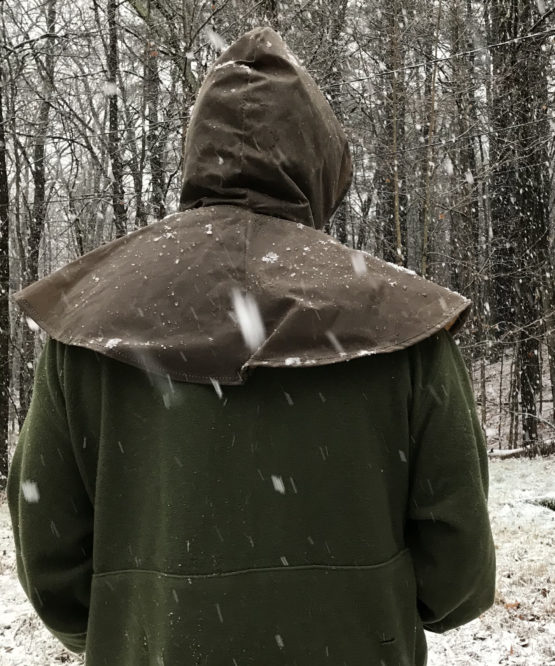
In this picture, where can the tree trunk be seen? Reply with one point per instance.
(38, 211)
(430, 123)
(155, 146)
(4, 294)
(114, 149)
(521, 189)
(333, 77)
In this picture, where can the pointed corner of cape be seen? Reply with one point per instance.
(458, 321)
(452, 318)
(20, 299)
(28, 300)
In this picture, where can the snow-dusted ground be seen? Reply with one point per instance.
(519, 629)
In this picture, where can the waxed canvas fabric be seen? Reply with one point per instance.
(266, 164)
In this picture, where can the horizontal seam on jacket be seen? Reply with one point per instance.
(223, 574)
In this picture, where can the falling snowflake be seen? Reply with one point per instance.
(219, 611)
(335, 342)
(109, 89)
(249, 319)
(278, 484)
(359, 263)
(217, 42)
(30, 491)
(217, 387)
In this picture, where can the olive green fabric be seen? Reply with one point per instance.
(312, 516)
(265, 164)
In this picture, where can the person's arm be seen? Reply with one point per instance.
(448, 528)
(52, 515)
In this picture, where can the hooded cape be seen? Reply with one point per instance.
(266, 164)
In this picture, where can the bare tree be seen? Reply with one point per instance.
(4, 291)
(521, 193)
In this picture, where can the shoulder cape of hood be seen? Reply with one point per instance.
(162, 298)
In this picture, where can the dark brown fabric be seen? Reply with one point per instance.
(262, 136)
(266, 164)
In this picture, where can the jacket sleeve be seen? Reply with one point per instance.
(448, 528)
(52, 515)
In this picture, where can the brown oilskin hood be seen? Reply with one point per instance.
(263, 137)
(266, 164)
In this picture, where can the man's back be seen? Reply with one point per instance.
(312, 515)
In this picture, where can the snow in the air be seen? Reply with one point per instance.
(335, 342)
(217, 387)
(278, 484)
(32, 324)
(110, 89)
(30, 491)
(359, 263)
(249, 319)
(215, 39)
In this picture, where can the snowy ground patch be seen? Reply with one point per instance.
(23, 639)
(518, 630)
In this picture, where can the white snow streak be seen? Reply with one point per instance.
(249, 319)
(32, 324)
(335, 342)
(278, 484)
(217, 388)
(109, 89)
(217, 42)
(30, 491)
(359, 263)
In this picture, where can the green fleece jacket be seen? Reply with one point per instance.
(313, 516)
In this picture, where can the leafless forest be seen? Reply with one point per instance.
(448, 106)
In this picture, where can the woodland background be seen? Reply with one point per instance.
(448, 105)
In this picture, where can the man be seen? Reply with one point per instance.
(247, 443)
